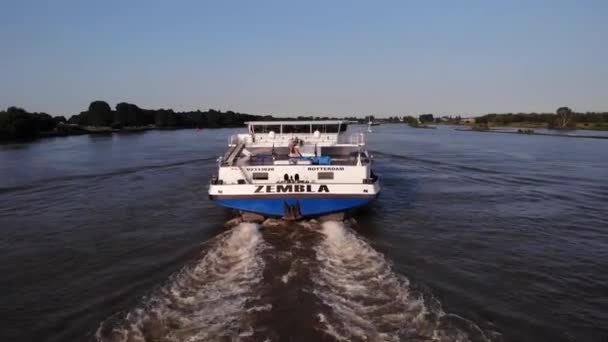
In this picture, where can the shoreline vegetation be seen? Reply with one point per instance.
(529, 132)
(421, 122)
(563, 119)
(19, 125)
(16, 124)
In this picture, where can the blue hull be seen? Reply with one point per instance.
(307, 206)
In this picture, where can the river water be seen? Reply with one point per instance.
(476, 236)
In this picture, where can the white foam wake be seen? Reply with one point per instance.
(367, 300)
(205, 302)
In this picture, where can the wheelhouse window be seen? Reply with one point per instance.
(332, 128)
(260, 175)
(325, 128)
(266, 128)
(325, 175)
(288, 129)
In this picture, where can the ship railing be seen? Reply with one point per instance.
(233, 140)
(357, 139)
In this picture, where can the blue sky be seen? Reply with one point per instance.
(306, 57)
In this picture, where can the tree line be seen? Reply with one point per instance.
(19, 124)
(100, 114)
(563, 118)
(16, 123)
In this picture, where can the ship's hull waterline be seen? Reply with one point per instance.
(274, 206)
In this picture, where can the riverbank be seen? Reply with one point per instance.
(530, 132)
(594, 126)
(66, 130)
(419, 125)
(17, 124)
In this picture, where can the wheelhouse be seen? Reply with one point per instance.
(300, 127)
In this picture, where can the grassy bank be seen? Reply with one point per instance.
(529, 132)
(528, 125)
(596, 126)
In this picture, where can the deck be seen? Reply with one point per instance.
(263, 156)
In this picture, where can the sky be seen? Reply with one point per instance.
(288, 58)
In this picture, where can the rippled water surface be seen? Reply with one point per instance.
(476, 236)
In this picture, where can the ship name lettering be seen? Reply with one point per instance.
(269, 189)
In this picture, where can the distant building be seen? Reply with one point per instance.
(467, 120)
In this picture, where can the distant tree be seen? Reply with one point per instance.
(127, 114)
(59, 119)
(482, 119)
(565, 118)
(42, 122)
(99, 114)
(17, 123)
(161, 118)
(213, 118)
(412, 121)
(424, 118)
(173, 120)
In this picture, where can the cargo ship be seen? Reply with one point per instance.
(295, 169)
